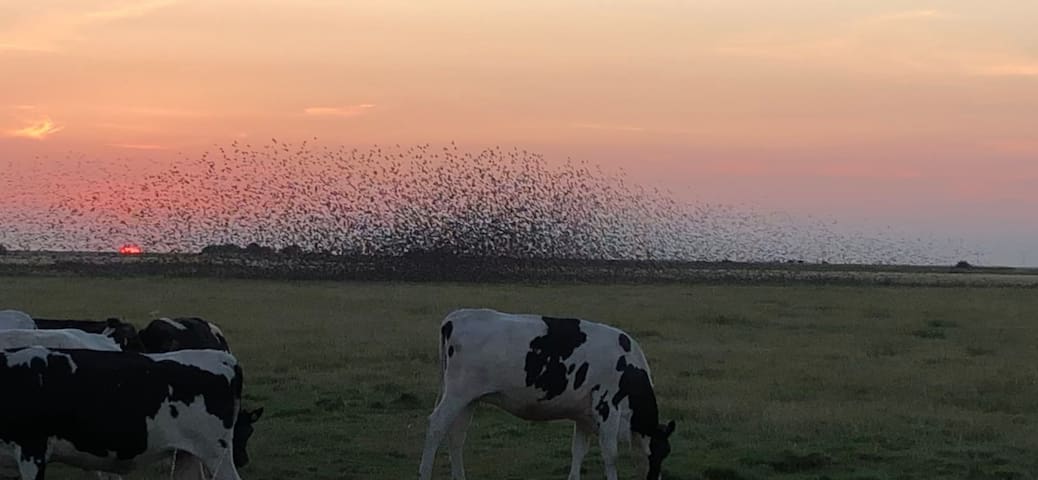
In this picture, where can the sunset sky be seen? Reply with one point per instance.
(917, 114)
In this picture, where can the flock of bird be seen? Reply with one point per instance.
(407, 200)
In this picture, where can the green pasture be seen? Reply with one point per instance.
(795, 382)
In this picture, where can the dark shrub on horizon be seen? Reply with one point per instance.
(258, 250)
(963, 264)
(292, 251)
(3, 250)
(225, 249)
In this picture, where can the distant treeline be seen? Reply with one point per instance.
(256, 250)
(253, 249)
(269, 263)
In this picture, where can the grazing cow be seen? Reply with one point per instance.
(10, 319)
(116, 411)
(171, 334)
(544, 368)
(61, 338)
(193, 333)
(125, 334)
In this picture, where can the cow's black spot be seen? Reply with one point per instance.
(446, 330)
(595, 388)
(450, 351)
(545, 369)
(625, 342)
(571, 367)
(173, 411)
(635, 386)
(603, 406)
(125, 391)
(621, 363)
(223, 443)
(161, 336)
(581, 376)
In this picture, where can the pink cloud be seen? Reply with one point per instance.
(347, 111)
(37, 130)
(599, 126)
(138, 146)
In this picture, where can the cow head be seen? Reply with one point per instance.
(124, 334)
(242, 431)
(656, 446)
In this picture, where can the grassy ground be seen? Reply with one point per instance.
(804, 382)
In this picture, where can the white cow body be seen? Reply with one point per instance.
(12, 319)
(544, 368)
(59, 338)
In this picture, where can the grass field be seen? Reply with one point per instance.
(795, 382)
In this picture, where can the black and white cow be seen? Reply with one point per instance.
(11, 319)
(116, 411)
(171, 334)
(544, 368)
(174, 334)
(125, 334)
(63, 338)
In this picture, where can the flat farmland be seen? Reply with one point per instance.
(799, 381)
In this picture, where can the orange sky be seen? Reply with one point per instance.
(910, 111)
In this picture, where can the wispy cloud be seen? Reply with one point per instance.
(911, 41)
(1015, 146)
(52, 29)
(126, 127)
(1024, 68)
(347, 111)
(10, 46)
(138, 146)
(134, 9)
(906, 15)
(38, 130)
(600, 126)
(161, 112)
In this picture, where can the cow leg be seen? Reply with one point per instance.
(440, 420)
(222, 469)
(608, 436)
(217, 466)
(32, 462)
(581, 445)
(106, 476)
(456, 442)
(187, 467)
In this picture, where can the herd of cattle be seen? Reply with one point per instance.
(101, 396)
(107, 398)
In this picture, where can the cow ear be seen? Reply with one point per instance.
(256, 414)
(113, 322)
(670, 428)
